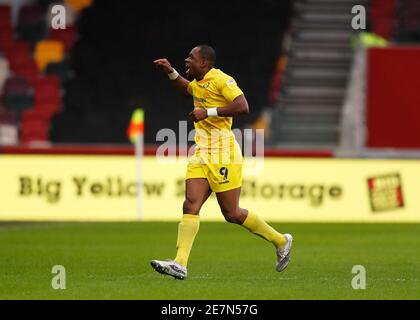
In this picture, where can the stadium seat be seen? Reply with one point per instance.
(111, 77)
(27, 70)
(35, 126)
(48, 85)
(53, 105)
(47, 51)
(8, 117)
(18, 53)
(60, 69)
(78, 5)
(17, 94)
(36, 115)
(19, 47)
(5, 14)
(47, 91)
(16, 85)
(31, 23)
(17, 102)
(66, 36)
(35, 131)
(48, 82)
(382, 14)
(6, 38)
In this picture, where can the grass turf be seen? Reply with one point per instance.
(111, 261)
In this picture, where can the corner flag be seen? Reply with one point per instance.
(136, 127)
(135, 132)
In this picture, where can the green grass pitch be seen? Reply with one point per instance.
(111, 261)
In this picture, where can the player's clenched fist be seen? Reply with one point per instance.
(198, 114)
(164, 65)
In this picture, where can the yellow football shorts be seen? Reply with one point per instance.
(222, 173)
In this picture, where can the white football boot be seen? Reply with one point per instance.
(170, 268)
(283, 253)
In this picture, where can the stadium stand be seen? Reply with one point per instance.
(312, 87)
(17, 95)
(33, 67)
(102, 64)
(31, 23)
(381, 16)
(105, 68)
(114, 74)
(311, 96)
(65, 36)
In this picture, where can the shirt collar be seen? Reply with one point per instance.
(208, 74)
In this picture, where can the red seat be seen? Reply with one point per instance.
(22, 46)
(17, 58)
(34, 125)
(35, 131)
(5, 26)
(48, 51)
(48, 83)
(45, 100)
(17, 54)
(66, 36)
(34, 115)
(5, 13)
(48, 106)
(16, 85)
(28, 70)
(47, 93)
(8, 117)
(30, 15)
(382, 13)
(6, 39)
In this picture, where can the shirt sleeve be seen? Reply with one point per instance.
(190, 88)
(229, 89)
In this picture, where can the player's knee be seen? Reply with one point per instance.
(230, 219)
(232, 215)
(191, 207)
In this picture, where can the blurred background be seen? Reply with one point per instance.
(333, 83)
(313, 82)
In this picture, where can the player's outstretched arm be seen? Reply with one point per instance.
(178, 82)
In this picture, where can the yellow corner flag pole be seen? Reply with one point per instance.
(136, 134)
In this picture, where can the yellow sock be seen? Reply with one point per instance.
(187, 230)
(259, 227)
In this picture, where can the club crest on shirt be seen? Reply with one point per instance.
(229, 82)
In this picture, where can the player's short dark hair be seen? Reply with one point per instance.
(206, 52)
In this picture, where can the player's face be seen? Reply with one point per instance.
(193, 63)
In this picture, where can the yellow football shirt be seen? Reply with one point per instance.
(216, 89)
